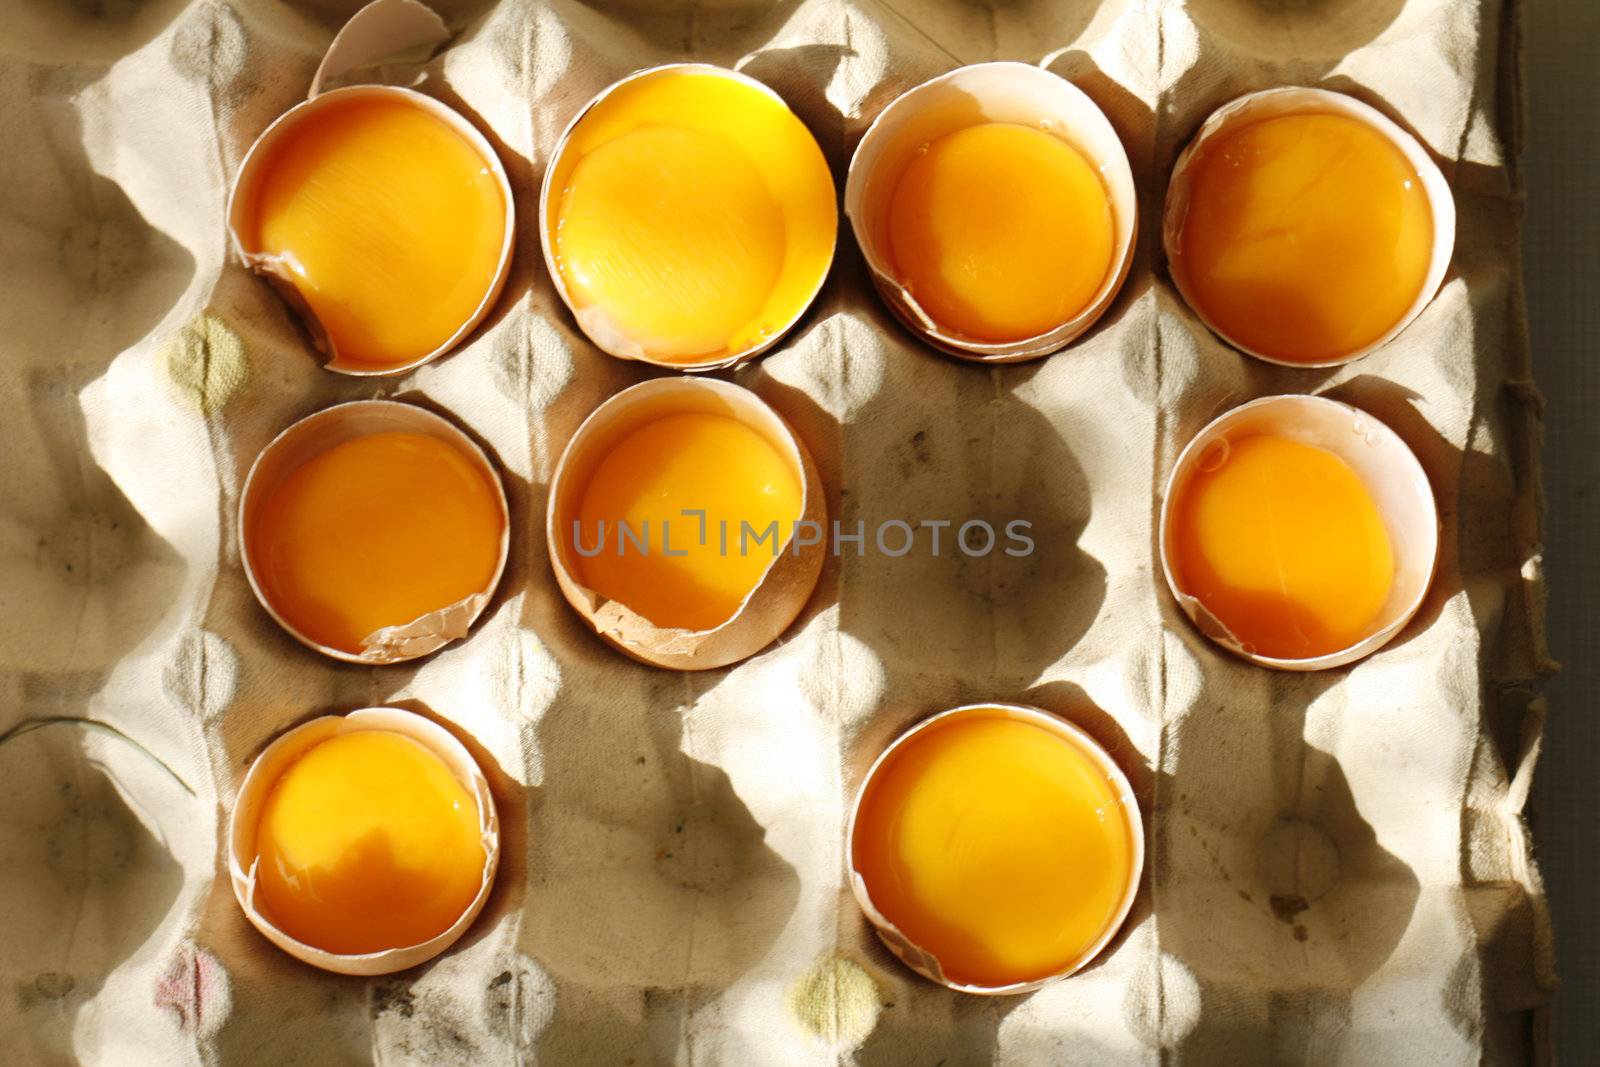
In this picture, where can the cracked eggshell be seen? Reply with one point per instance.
(382, 28)
(923, 961)
(598, 327)
(777, 598)
(1297, 100)
(968, 96)
(275, 760)
(1387, 468)
(322, 430)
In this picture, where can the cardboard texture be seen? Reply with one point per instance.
(1337, 867)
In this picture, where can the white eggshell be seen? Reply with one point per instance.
(1387, 468)
(1293, 100)
(271, 764)
(968, 96)
(315, 434)
(923, 961)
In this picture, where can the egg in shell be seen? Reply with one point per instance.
(1298, 532)
(996, 211)
(364, 843)
(686, 523)
(687, 217)
(995, 848)
(383, 217)
(1306, 228)
(341, 521)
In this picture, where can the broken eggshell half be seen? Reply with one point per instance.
(785, 586)
(276, 758)
(1298, 100)
(322, 430)
(381, 29)
(926, 963)
(984, 93)
(807, 257)
(1387, 468)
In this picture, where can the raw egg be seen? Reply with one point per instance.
(1306, 228)
(689, 217)
(686, 523)
(342, 521)
(1299, 532)
(364, 843)
(1284, 545)
(656, 480)
(385, 219)
(996, 848)
(996, 210)
(367, 842)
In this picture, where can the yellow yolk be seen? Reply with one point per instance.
(1283, 544)
(1307, 236)
(367, 842)
(996, 845)
(377, 531)
(1001, 232)
(387, 222)
(693, 461)
(671, 231)
(692, 214)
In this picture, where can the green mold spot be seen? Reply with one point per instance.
(207, 362)
(836, 1000)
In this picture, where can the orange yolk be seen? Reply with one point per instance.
(367, 842)
(693, 461)
(692, 214)
(1283, 544)
(1307, 236)
(377, 531)
(387, 222)
(1001, 232)
(996, 845)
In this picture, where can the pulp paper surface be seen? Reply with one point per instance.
(1338, 868)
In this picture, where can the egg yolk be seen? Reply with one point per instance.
(695, 216)
(1307, 236)
(996, 845)
(386, 221)
(673, 233)
(691, 572)
(375, 532)
(1284, 545)
(1001, 232)
(367, 842)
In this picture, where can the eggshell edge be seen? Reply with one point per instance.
(381, 29)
